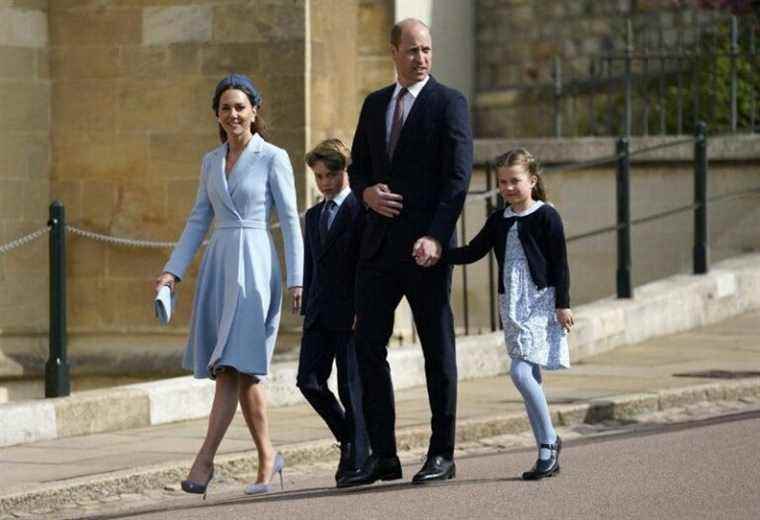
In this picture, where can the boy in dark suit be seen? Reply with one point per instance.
(333, 230)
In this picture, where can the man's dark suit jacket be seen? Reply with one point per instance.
(431, 167)
(330, 270)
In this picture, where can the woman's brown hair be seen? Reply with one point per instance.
(258, 125)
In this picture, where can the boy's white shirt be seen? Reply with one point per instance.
(340, 197)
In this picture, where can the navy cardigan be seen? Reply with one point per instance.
(543, 239)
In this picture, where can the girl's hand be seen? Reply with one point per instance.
(565, 318)
(296, 295)
(166, 279)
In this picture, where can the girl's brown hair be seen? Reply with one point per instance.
(522, 157)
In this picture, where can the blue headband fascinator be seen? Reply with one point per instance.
(237, 81)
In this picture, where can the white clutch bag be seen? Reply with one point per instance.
(164, 304)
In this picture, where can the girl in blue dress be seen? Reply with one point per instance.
(534, 302)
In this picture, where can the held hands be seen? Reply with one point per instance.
(426, 251)
(296, 295)
(380, 199)
(166, 279)
(565, 318)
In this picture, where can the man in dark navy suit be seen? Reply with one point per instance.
(411, 166)
(331, 249)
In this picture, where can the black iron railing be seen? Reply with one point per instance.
(57, 367)
(624, 223)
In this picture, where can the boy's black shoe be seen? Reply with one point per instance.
(388, 468)
(345, 463)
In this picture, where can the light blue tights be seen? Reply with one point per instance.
(527, 378)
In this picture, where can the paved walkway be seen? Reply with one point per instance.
(669, 362)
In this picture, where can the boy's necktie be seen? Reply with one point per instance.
(324, 220)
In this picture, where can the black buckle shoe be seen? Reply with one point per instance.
(387, 468)
(436, 468)
(548, 467)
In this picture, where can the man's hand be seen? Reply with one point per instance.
(296, 295)
(380, 199)
(426, 251)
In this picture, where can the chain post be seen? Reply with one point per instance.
(701, 244)
(624, 286)
(57, 382)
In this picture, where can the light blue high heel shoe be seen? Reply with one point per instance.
(189, 486)
(279, 465)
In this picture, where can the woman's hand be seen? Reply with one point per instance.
(166, 279)
(565, 318)
(296, 295)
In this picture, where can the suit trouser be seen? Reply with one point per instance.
(319, 347)
(380, 286)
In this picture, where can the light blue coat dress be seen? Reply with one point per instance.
(236, 309)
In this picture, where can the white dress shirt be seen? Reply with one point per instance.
(338, 200)
(407, 104)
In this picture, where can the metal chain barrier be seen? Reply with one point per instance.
(23, 240)
(129, 242)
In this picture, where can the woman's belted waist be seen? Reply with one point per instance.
(243, 224)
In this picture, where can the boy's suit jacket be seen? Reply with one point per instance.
(330, 270)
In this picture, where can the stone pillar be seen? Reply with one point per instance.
(24, 174)
(331, 77)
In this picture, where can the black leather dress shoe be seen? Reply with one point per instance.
(548, 467)
(387, 468)
(436, 468)
(345, 463)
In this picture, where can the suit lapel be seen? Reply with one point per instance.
(340, 222)
(379, 112)
(313, 227)
(243, 165)
(219, 179)
(413, 120)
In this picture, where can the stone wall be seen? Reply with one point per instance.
(132, 86)
(332, 79)
(24, 169)
(375, 68)
(106, 106)
(517, 40)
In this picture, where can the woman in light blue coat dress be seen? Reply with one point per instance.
(236, 309)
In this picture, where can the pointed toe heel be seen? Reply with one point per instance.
(260, 488)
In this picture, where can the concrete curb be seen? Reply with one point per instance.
(668, 306)
(242, 464)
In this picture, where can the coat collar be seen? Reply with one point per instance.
(243, 164)
(219, 178)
